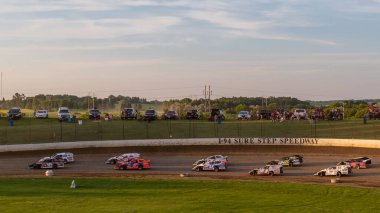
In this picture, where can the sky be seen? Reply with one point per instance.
(169, 49)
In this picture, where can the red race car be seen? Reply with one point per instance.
(133, 164)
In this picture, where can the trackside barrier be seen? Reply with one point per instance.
(198, 142)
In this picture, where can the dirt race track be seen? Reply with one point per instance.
(169, 162)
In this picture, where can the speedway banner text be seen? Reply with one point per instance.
(269, 141)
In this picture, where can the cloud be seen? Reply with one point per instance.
(89, 29)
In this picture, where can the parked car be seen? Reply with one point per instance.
(125, 157)
(268, 170)
(63, 113)
(216, 113)
(67, 157)
(215, 166)
(335, 171)
(94, 114)
(150, 115)
(171, 115)
(133, 164)
(128, 113)
(300, 114)
(264, 115)
(193, 114)
(47, 163)
(14, 113)
(244, 115)
(41, 114)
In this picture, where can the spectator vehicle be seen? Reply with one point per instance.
(193, 114)
(14, 113)
(373, 112)
(124, 157)
(215, 166)
(338, 171)
(47, 163)
(66, 157)
(335, 114)
(244, 115)
(63, 113)
(268, 170)
(42, 114)
(128, 113)
(300, 114)
(133, 164)
(216, 113)
(94, 114)
(264, 115)
(171, 115)
(150, 115)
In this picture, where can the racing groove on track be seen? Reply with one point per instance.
(169, 162)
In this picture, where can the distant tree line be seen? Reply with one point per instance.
(232, 105)
(53, 102)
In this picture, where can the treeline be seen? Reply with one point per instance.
(233, 105)
(53, 102)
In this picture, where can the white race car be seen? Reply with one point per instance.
(215, 166)
(67, 157)
(124, 157)
(47, 163)
(223, 159)
(335, 171)
(269, 170)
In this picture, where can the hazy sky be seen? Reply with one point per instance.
(163, 49)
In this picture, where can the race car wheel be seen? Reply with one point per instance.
(122, 168)
(55, 166)
(290, 164)
(216, 169)
(271, 173)
(198, 169)
(113, 162)
(358, 167)
(338, 174)
(321, 174)
(140, 168)
(251, 173)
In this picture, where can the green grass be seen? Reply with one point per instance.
(30, 130)
(152, 195)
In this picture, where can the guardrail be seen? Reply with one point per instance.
(198, 142)
(28, 131)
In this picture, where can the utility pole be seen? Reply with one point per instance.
(93, 100)
(207, 92)
(1, 86)
(209, 98)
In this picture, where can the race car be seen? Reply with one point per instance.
(366, 160)
(353, 164)
(67, 157)
(335, 171)
(215, 166)
(47, 163)
(268, 170)
(125, 157)
(223, 159)
(291, 161)
(133, 164)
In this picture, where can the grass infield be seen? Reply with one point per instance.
(154, 195)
